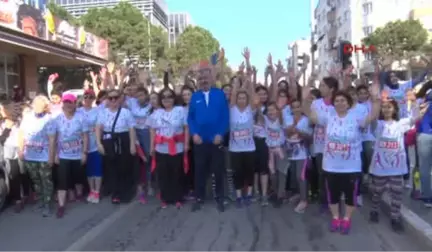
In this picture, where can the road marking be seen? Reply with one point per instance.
(98, 229)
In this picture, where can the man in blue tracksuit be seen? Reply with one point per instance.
(208, 121)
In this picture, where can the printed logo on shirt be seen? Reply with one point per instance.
(36, 147)
(274, 134)
(319, 134)
(241, 134)
(339, 148)
(71, 146)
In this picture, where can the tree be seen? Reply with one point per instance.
(193, 45)
(127, 31)
(62, 13)
(398, 40)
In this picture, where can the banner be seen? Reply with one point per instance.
(100, 48)
(61, 31)
(22, 17)
(86, 41)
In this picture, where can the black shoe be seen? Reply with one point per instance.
(374, 216)
(397, 225)
(196, 206)
(277, 203)
(220, 206)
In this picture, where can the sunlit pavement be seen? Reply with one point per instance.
(147, 227)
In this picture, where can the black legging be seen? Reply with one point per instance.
(17, 180)
(121, 167)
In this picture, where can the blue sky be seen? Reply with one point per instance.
(263, 26)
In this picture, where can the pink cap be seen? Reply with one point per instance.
(69, 98)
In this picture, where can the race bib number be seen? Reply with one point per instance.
(241, 134)
(338, 147)
(274, 135)
(388, 145)
(72, 146)
(36, 147)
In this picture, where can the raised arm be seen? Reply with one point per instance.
(375, 98)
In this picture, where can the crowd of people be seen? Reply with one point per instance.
(255, 142)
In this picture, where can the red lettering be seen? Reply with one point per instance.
(358, 48)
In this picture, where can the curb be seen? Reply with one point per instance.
(420, 229)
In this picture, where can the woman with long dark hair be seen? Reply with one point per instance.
(169, 143)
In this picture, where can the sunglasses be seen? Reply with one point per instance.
(167, 97)
(113, 98)
(89, 97)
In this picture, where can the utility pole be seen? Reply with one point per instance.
(312, 37)
(149, 42)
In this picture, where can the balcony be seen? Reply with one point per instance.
(331, 16)
(332, 32)
(331, 42)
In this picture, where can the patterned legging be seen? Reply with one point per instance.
(395, 186)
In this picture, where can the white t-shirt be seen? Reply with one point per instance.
(69, 135)
(124, 122)
(275, 133)
(297, 148)
(367, 132)
(168, 124)
(389, 158)
(342, 142)
(241, 130)
(321, 108)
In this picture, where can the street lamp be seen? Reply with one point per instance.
(149, 42)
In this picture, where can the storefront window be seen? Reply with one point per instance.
(9, 73)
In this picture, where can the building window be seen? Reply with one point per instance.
(367, 8)
(346, 15)
(339, 21)
(9, 73)
(367, 30)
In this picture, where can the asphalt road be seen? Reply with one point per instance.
(147, 227)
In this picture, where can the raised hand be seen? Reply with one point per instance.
(53, 77)
(93, 76)
(334, 70)
(103, 72)
(270, 60)
(241, 67)
(348, 71)
(291, 74)
(375, 88)
(254, 70)
(246, 53)
(279, 66)
(110, 67)
(221, 56)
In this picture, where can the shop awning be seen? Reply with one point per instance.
(48, 53)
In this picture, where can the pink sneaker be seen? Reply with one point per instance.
(142, 199)
(335, 225)
(163, 205)
(179, 205)
(345, 226)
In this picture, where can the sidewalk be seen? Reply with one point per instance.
(417, 218)
(29, 229)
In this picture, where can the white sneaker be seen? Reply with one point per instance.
(90, 198)
(359, 200)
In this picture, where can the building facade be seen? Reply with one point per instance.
(298, 49)
(353, 20)
(155, 10)
(178, 22)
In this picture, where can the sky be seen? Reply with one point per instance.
(262, 26)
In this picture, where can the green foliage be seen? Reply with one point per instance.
(127, 31)
(62, 13)
(193, 45)
(398, 40)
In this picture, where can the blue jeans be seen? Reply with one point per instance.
(424, 148)
(143, 136)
